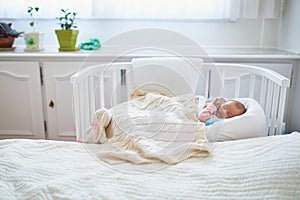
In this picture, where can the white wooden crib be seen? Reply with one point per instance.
(105, 85)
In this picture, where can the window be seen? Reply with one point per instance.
(145, 9)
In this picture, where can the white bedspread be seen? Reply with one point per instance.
(258, 168)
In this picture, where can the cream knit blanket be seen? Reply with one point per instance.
(150, 127)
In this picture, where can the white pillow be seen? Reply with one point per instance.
(250, 124)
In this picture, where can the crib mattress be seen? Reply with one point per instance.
(267, 167)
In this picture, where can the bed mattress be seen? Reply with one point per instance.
(266, 167)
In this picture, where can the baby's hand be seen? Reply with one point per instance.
(218, 102)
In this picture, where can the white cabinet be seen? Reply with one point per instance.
(21, 100)
(35, 108)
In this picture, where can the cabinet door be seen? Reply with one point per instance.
(21, 100)
(58, 98)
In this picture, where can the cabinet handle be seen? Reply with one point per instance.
(51, 104)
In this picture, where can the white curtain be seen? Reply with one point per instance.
(146, 9)
(258, 8)
(187, 9)
(48, 8)
(162, 9)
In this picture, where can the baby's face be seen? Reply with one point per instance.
(228, 110)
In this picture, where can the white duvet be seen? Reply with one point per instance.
(258, 168)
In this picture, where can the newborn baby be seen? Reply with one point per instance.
(220, 109)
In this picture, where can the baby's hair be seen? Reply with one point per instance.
(240, 106)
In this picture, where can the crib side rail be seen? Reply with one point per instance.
(90, 92)
(269, 74)
(266, 86)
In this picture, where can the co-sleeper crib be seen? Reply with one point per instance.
(105, 85)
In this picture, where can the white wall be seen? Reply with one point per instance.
(289, 39)
(295, 113)
(290, 27)
(243, 33)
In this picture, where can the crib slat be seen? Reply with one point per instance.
(281, 110)
(207, 83)
(114, 87)
(91, 87)
(269, 100)
(101, 90)
(129, 84)
(274, 109)
(123, 90)
(86, 99)
(82, 110)
(76, 109)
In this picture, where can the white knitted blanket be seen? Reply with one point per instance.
(151, 127)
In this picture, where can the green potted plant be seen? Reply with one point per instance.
(7, 36)
(33, 40)
(67, 35)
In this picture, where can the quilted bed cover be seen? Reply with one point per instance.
(257, 168)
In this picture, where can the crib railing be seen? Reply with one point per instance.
(95, 87)
(266, 86)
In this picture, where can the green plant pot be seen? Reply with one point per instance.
(67, 40)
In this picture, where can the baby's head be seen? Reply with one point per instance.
(230, 109)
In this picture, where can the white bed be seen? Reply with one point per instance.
(264, 167)
(257, 168)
